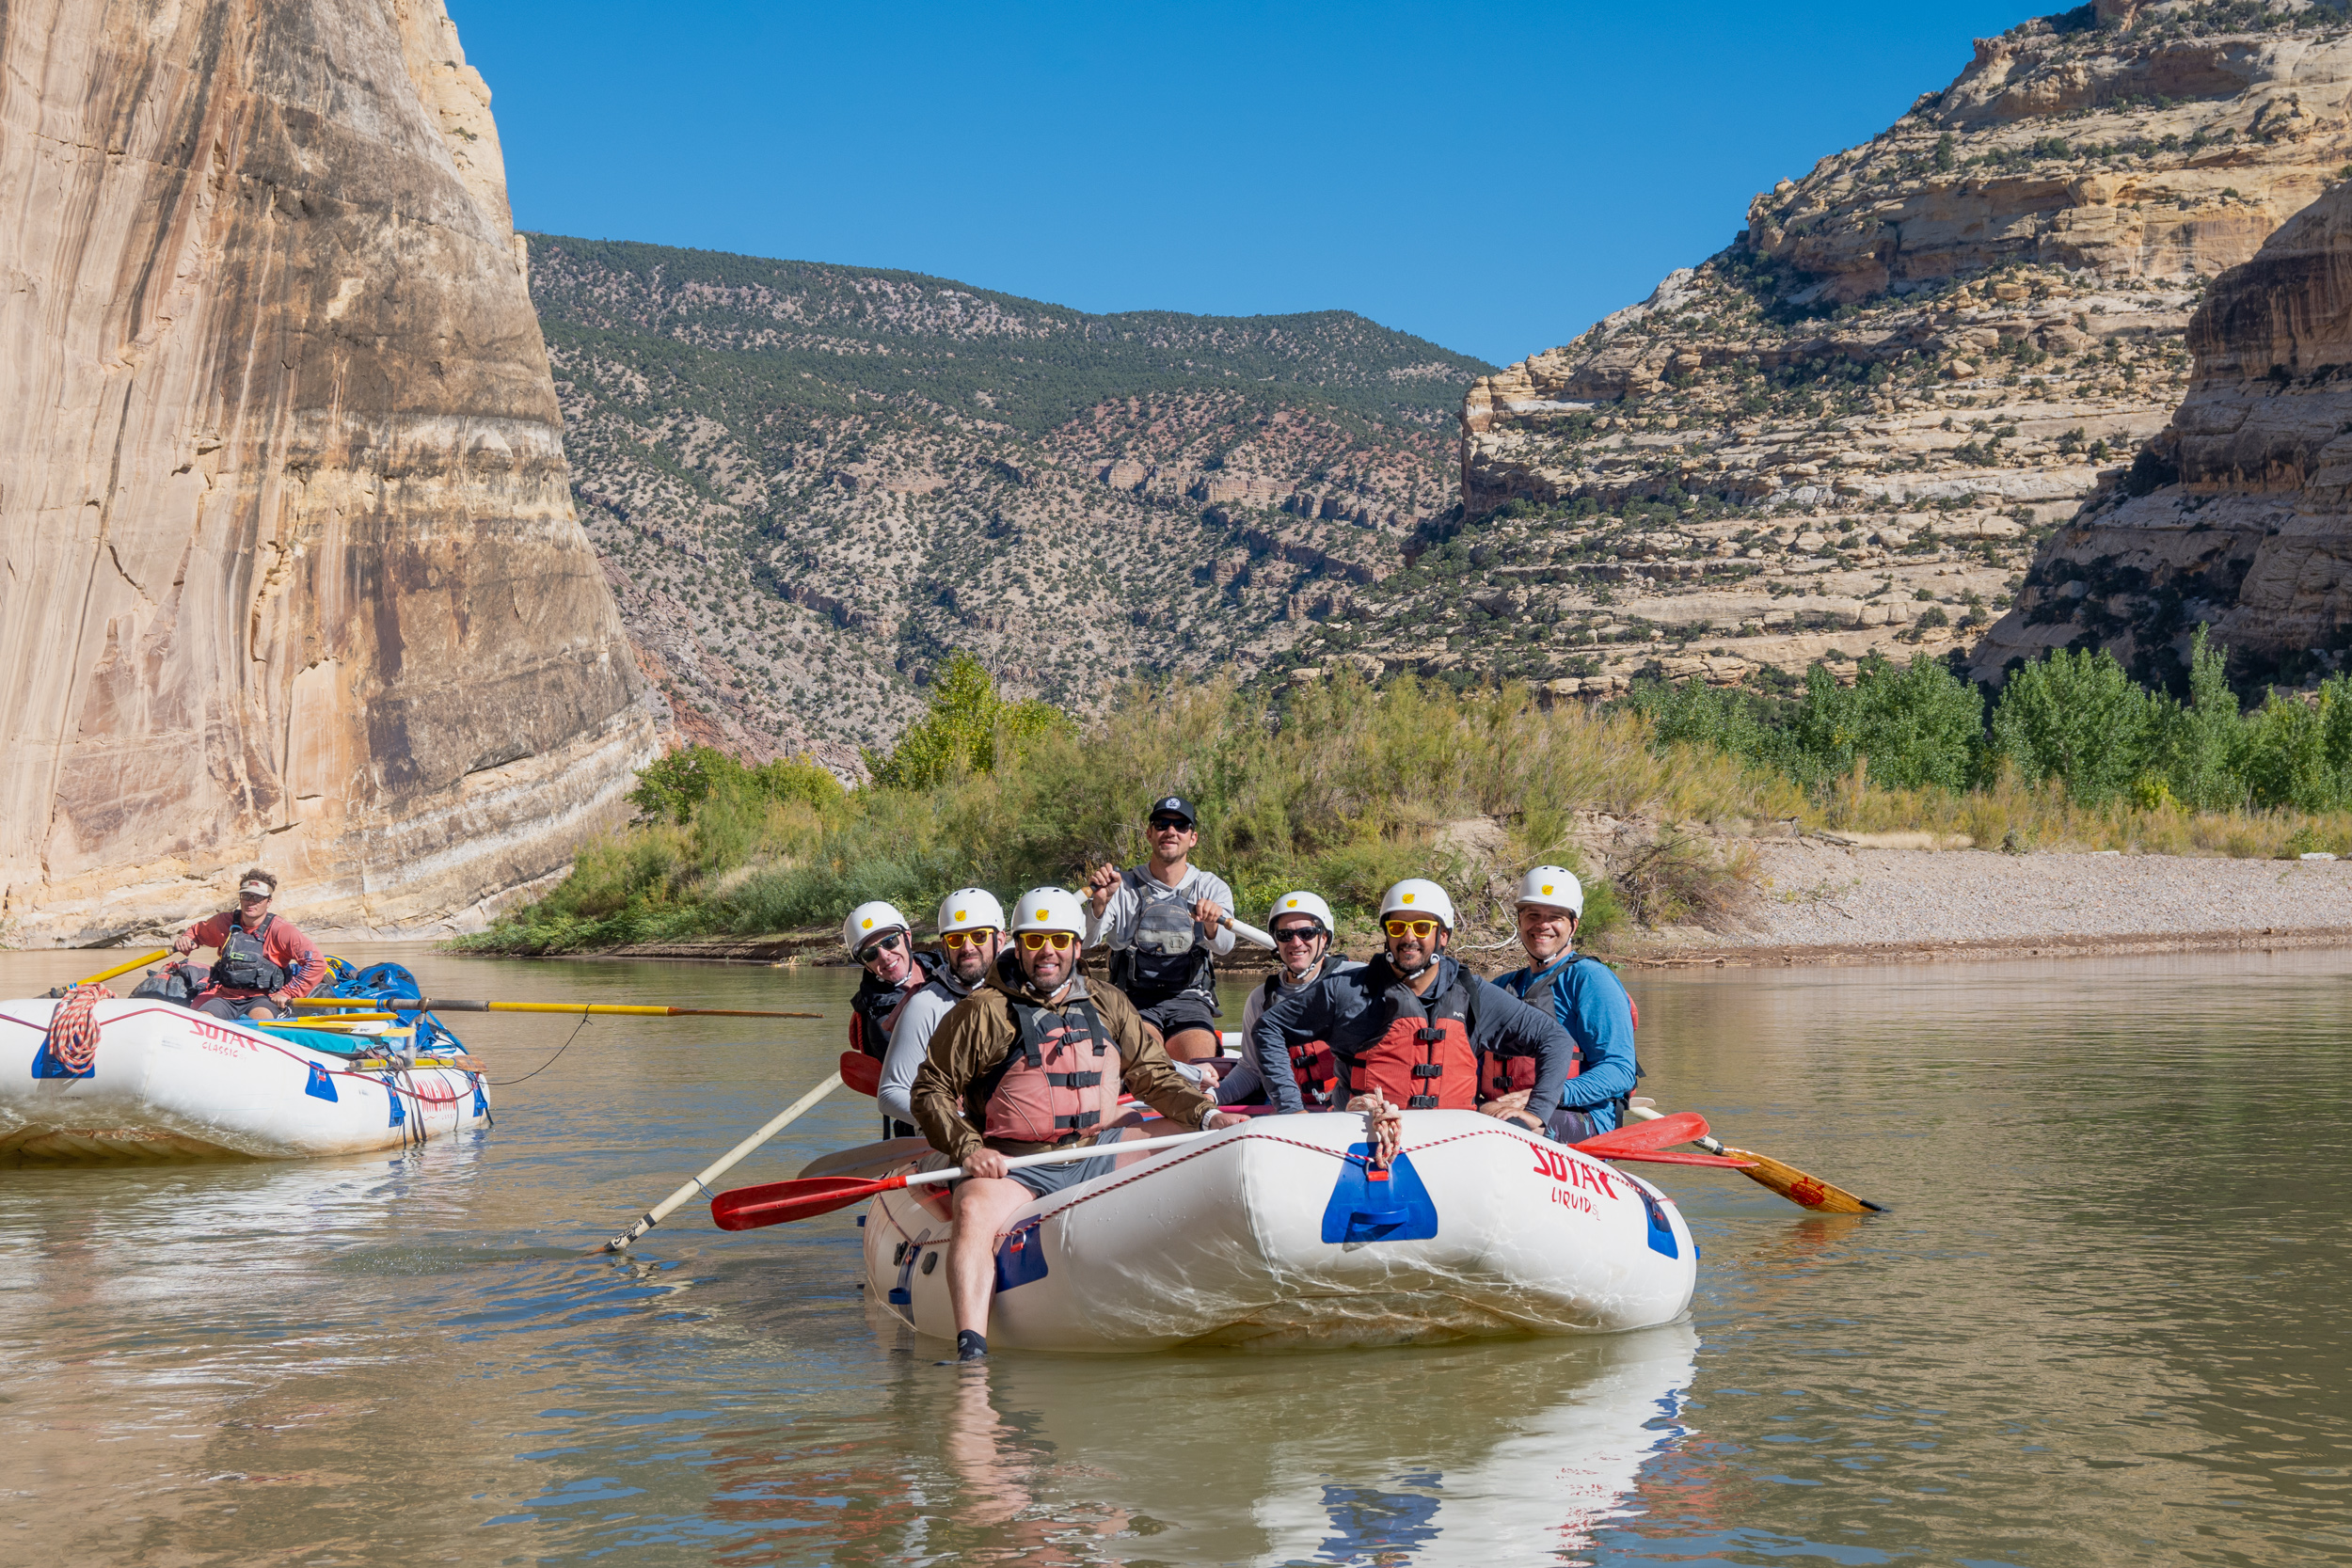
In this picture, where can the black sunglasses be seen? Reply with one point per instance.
(1298, 933)
(879, 945)
(1181, 824)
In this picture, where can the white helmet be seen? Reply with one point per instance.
(1553, 887)
(971, 908)
(1049, 909)
(1418, 896)
(1302, 902)
(868, 921)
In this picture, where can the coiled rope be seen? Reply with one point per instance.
(73, 1035)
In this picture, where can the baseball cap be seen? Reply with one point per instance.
(1172, 805)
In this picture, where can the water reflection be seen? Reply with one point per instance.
(2102, 1324)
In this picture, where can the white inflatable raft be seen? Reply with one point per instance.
(1275, 1234)
(166, 1083)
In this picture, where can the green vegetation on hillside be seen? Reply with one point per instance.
(763, 339)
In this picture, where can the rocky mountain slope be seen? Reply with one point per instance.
(292, 573)
(809, 483)
(2239, 513)
(1849, 431)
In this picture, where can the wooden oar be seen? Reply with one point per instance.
(720, 1166)
(570, 1009)
(1806, 1191)
(778, 1202)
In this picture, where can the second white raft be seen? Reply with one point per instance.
(166, 1083)
(1275, 1234)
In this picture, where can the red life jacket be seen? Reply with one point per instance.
(1424, 1060)
(1057, 1083)
(1314, 1067)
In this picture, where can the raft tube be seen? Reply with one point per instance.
(1277, 1234)
(168, 1084)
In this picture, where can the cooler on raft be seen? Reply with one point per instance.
(1277, 1233)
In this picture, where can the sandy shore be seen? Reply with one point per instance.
(1823, 903)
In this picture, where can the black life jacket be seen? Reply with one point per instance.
(245, 964)
(1164, 958)
(875, 1007)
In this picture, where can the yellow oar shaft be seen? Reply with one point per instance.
(125, 969)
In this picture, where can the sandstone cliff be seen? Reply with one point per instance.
(292, 572)
(2239, 513)
(1847, 432)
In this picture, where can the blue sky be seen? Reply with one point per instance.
(1493, 177)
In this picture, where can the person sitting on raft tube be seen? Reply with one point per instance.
(1035, 1059)
(1587, 999)
(881, 942)
(1166, 923)
(1301, 926)
(1412, 1030)
(265, 960)
(971, 934)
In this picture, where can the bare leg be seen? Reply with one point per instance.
(1192, 1045)
(983, 1206)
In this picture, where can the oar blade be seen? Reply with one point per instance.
(861, 1072)
(781, 1202)
(1662, 1157)
(1806, 1191)
(870, 1160)
(1681, 1128)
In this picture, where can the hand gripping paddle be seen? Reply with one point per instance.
(781, 1202)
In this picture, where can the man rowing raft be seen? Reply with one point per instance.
(1035, 1059)
(265, 961)
(1166, 923)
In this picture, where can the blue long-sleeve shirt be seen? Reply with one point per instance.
(1591, 1004)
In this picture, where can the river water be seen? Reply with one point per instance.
(2105, 1321)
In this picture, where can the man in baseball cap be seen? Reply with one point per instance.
(1166, 923)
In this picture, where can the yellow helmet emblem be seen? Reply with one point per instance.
(1290, 903)
(869, 923)
(1406, 900)
(963, 915)
(1546, 887)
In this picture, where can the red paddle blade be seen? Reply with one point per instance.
(778, 1202)
(1681, 1128)
(1660, 1157)
(861, 1072)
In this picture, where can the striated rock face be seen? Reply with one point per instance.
(1850, 431)
(2239, 513)
(291, 572)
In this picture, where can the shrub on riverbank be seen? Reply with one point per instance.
(1338, 786)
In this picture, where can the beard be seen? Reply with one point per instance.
(1428, 957)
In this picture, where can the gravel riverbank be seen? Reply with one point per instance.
(1823, 903)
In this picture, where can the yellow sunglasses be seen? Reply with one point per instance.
(1409, 927)
(952, 940)
(1058, 940)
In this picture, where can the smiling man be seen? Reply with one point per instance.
(881, 942)
(1412, 1030)
(1035, 1059)
(1166, 923)
(1584, 996)
(971, 934)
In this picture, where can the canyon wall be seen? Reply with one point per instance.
(292, 573)
(2239, 514)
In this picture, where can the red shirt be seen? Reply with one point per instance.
(284, 944)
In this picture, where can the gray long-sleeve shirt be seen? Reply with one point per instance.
(1351, 1009)
(910, 1038)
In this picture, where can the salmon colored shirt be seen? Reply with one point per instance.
(283, 943)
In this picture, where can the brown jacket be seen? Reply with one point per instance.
(981, 1031)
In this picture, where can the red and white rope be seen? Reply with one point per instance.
(73, 1035)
